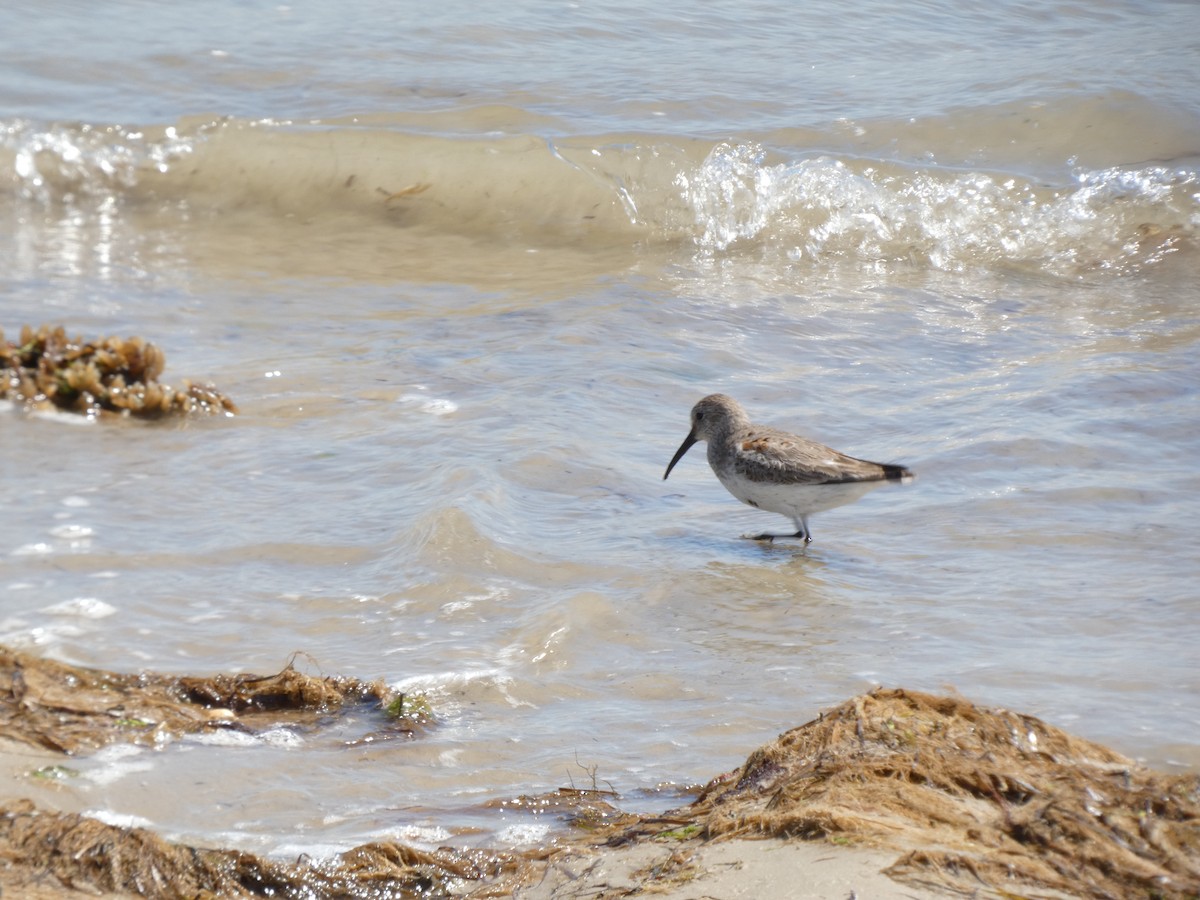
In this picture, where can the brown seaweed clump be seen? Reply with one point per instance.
(981, 799)
(109, 376)
(75, 710)
(50, 854)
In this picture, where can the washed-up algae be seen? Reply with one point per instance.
(74, 710)
(44, 854)
(47, 369)
(589, 810)
(979, 799)
(978, 802)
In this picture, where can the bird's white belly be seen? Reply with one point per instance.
(797, 500)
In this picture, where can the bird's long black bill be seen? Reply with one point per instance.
(683, 448)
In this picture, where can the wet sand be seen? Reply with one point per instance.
(755, 870)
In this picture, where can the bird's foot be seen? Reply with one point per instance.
(771, 538)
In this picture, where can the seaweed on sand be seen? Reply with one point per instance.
(981, 802)
(979, 798)
(48, 853)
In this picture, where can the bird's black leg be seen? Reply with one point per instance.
(801, 532)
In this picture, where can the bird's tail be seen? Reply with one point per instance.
(893, 472)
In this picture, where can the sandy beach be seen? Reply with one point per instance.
(754, 870)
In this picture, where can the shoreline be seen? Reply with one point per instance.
(893, 793)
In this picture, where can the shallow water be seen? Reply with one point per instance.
(962, 243)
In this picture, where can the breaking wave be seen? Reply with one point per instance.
(792, 196)
(824, 206)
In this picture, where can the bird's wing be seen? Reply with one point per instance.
(769, 455)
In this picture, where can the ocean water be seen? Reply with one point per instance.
(465, 271)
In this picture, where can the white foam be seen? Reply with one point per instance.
(116, 762)
(119, 820)
(61, 417)
(281, 737)
(37, 549)
(228, 737)
(436, 406)
(429, 835)
(525, 833)
(72, 531)
(83, 607)
(824, 207)
(292, 851)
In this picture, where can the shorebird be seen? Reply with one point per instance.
(776, 471)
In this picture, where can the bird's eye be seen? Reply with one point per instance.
(699, 416)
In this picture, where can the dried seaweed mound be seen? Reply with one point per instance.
(114, 375)
(48, 853)
(73, 709)
(981, 798)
